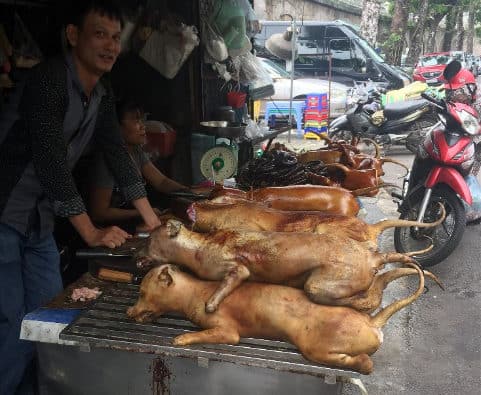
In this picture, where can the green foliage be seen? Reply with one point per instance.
(392, 41)
(437, 8)
(477, 31)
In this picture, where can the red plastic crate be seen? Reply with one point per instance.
(316, 101)
(315, 117)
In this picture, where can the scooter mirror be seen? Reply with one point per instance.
(451, 70)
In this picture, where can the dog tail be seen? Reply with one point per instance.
(390, 160)
(361, 191)
(393, 274)
(377, 155)
(381, 318)
(381, 226)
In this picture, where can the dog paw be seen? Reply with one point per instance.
(211, 307)
(179, 341)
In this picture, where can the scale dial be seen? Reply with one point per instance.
(218, 163)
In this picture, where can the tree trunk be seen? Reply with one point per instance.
(417, 37)
(459, 37)
(433, 29)
(370, 19)
(398, 30)
(450, 26)
(470, 32)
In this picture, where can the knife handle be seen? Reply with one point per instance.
(115, 275)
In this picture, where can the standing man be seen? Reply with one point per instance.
(64, 106)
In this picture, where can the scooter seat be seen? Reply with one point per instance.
(400, 109)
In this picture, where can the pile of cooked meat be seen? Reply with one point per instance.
(285, 263)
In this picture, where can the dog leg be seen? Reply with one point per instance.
(322, 289)
(361, 363)
(231, 281)
(217, 335)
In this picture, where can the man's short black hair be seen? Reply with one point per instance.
(79, 9)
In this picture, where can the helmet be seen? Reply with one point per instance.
(462, 78)
(462, 87)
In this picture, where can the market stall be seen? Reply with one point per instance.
(101, 351)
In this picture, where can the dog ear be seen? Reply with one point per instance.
(164, 277)
(173, 227)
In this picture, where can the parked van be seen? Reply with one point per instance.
(352, 57)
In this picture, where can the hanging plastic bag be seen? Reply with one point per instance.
(253, 130)
(229, 19)
(253, 73)
(473, 212)
(214, 44)
(236, 98)
(167, 49)
(252, 22)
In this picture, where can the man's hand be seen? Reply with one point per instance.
(111, 237)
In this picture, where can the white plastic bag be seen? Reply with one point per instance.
(214, 44)
(167, 49)
(253, 73)
(253, 130)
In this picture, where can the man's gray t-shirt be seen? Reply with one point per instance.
(102, 176)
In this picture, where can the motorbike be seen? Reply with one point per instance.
(438, 174)
(400, 123)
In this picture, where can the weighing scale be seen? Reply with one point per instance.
(219, 163)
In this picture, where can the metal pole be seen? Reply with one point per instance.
(293, 58)
(329, 82)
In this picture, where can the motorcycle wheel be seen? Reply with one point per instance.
(345, 135)
(338, 135)
(445, 237)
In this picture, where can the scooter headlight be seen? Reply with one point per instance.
(468, 122)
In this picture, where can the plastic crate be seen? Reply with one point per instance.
(316, 101)
(315, 117)
(315, 124)
(322, 129)
(314, 135)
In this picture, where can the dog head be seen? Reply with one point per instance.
(159, 293)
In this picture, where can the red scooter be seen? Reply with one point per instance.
(438, 174)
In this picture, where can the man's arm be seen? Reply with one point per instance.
(43, 107)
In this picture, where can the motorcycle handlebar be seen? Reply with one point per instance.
(438, 103)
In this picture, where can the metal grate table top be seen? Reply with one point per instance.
(105, 324)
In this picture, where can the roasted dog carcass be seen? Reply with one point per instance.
(335, 336)
(298, 198)
(330, 268)
(208, 216)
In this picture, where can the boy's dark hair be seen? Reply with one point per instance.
(78, 10)
(124, 107)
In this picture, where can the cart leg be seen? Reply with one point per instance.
(359, 384)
